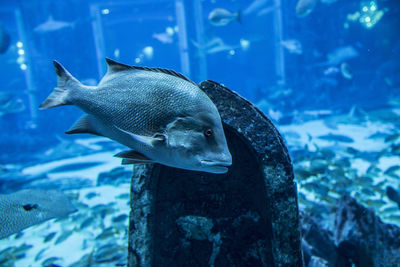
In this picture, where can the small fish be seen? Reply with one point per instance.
(51, 25)
(4, 39)
(103, 210)
(22, 249)
(336, 138)
(395, 149)
(392, 171)
(331, 71)
(88, 221)
(393, 217)
(352, 151)
(76, 166)
(39, 255)
(392, 137)
(378, 135)
(375, 203)
(256, 5)
(123, 196)
(91, 195)
(373, 170)
(342, 54)
(305, 7)
(346, 71)
(293, 46)
(64, 236)
(301, 173)
(393, 195)
(119, 218)
(51, 262)
(109, 253)
(163, 37)
(215, 45)
(13, 105)
(5, 97)
(318, 166)
(49, 237)
(29, 207)
(316, 188)
(267, 10)
(159, 114)
(107, 233)
(222, 17)
(368, 192)
(389, 210)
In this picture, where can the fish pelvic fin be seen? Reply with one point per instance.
(134, 161)
(60, 95)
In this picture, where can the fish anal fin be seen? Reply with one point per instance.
(134, 161)
(83, 125)
(131, 154)
(132, 157)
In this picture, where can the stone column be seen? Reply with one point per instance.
(246, 217)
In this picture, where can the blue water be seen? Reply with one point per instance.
(256, 58)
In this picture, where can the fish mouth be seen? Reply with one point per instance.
(216, 166)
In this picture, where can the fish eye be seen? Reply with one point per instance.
(208, 132)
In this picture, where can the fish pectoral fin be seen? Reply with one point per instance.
(146, 140)
(83, 125)
(133, 156)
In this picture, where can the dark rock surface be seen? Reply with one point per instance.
(246, 217)
(363, 238)
(317, 242)
(359, 238)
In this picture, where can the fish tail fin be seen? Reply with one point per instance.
(60, 95)
(239, 16)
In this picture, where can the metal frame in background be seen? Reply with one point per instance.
(97, 26)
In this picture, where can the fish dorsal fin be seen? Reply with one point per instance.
(83, 125)
(114, 66)
(166, 71)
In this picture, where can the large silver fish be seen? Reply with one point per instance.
(29, 207)
(159, 114)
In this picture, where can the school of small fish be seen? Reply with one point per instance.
(330, 165)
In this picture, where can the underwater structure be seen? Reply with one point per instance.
(246, 216)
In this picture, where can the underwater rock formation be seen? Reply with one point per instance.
(246, 217)
(317, 242)
(362, 237)
(359, 238)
